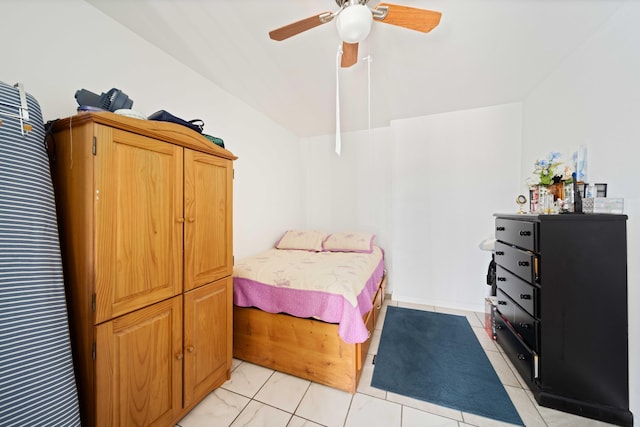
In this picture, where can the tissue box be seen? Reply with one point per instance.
(609, 205)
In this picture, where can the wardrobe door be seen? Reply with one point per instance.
(139, 361)
(208, 252)
(138, 205)
(207, 338)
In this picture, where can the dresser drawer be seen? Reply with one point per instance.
(523, 264)
(523, 358)
(525, 294)
(518, 233)
(527, 327)
(522, 322)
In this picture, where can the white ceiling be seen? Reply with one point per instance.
(484, 52)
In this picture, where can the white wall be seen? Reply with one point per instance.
(428, 188)
(56, 48)
(349, 192)
(451, 172)
(593, 98)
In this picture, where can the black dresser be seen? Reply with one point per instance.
(562, 310)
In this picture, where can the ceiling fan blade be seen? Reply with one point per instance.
(298, 27)
(349, 54)
(408, 17)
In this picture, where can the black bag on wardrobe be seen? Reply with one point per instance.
(165, 116)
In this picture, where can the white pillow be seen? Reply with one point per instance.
(349, 242)
(302, 240)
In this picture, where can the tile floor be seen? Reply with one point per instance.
(256, 396)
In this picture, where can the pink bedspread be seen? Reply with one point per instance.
(336, 287)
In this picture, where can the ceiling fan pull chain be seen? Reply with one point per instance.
(369, 59)
(338, 137)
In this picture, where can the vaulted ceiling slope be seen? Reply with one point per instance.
(484, 52)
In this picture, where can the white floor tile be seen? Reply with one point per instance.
(257, 414)
(219, 408)
(425, 406)
(477, 420)
(416, 306)
(247, 379)
(502, 369)
(373, 412)
(383, 314)
(375, 341)
(476, 320)
(521, 381)
(525, 407)
(415, 418)
(325, 405)
(481, 317)
(365, 380)
(296, 421)
(283, 391)
(555, 418)
(484, 339)
(235, 363)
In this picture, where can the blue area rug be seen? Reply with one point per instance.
(437, 358)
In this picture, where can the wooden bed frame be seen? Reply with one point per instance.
(306, 348)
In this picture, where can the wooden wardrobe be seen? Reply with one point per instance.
(145, 220)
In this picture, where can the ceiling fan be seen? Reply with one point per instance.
(354, 19)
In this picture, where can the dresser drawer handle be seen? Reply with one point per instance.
(525, 233)
(499, 253)
(502, 303)
(501, 279)
(524, 325)
(522, 356)
(525, 296)
(499, 228)
(523, 263)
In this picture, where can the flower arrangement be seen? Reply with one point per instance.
(550, 170)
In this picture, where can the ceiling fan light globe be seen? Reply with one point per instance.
(354, 23)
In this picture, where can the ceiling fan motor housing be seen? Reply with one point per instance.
(354, 23)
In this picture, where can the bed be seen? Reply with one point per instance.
(308, 306)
